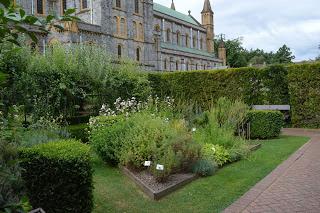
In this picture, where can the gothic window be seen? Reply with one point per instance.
(194, 42)
(187, 40)
(119, 51)
(63, 6)
(135, 30)
(40, 7)
(168, 35)
(84, 4)
(138, 53)
(118, 3)
(165, 67)
(116, 25)
(140, 31)
(178, 38)
(123, 27)
(136, 6)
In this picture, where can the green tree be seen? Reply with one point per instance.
(318, 57)
(14, 21)
(283, 55)
(236, 54)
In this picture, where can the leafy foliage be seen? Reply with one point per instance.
(204, 168)
(238, 56)
(58, 176)
(304, 87)
(11, 184)
(265, 124)
(14, 21)
(67, 80)
(252, 85)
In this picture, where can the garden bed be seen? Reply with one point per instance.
(155, 190)
(114, 192)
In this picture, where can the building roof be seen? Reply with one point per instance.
(173, 13)
(186, 49)
(207, 7)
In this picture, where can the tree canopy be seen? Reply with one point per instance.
(238, 56)
(14, 21)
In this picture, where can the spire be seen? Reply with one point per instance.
(207, 7)
(172, 6)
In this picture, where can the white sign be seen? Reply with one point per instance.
(147, 163)
(160, 167)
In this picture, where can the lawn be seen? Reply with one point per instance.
(116, 193)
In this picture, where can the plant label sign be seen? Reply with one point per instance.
(147, 163)
(160, 167)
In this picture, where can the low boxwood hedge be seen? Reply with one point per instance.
(265, 124)
(58, 176)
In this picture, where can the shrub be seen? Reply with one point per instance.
(253, 85)
(215, 153)
(58, 176)
(11, 184)
(72, 79)
(204, 168)
(223, 121)
(145, 134)
(265, 124)
(79, 132)
(304, 87)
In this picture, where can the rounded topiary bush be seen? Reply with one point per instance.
(265, 124)
(58, 176)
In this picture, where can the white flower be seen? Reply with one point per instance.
(213, 149)
(194, 129)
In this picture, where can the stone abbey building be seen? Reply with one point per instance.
(158, 37)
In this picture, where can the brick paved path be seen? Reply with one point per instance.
(294, 186)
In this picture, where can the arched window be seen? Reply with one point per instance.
(84, 4)
(177, 65)
(138, 54)
(178, 38)
(194, 42)
(136, 6)
(119, 51)
(40, 7)
(141, 32)
(63, 6)
(118, 3)
(201, 43)
(187, 40)
(123, 27)
(116, 25)
(168, 35)
(135, 30)
(165, 67)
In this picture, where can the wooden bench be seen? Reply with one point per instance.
(272, 107)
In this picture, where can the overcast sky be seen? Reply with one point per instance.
(264, 24)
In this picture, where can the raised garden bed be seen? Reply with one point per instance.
(155, 190)
(255, 147)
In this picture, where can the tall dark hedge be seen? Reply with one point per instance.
(304, 87)
(253, 85)
(58, 176)
(265, 124)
